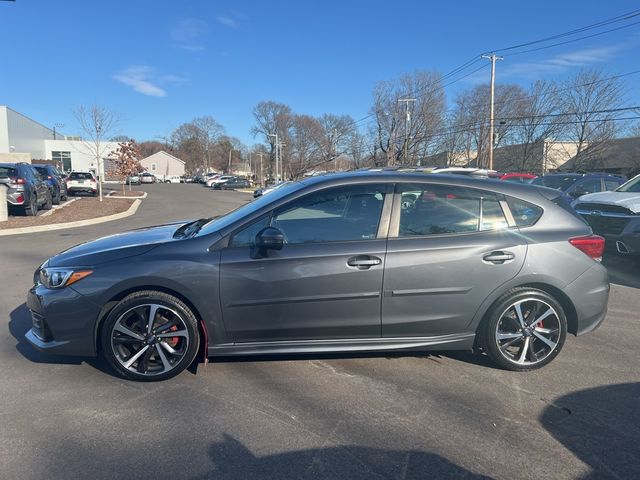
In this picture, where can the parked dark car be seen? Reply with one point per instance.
(55, 180)
(518, 177)
(234, 184)
(362, 261)
(577, 184)
(27, 190)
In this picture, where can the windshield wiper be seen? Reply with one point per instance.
(191, 228)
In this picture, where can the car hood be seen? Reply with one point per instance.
(115, 247)
(630, 200)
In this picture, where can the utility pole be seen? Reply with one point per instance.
(59, 125)
(230, 150)
(493, 57)
(281, 144)
(250, 169)
(407, 124)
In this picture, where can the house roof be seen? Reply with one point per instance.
(162, 152)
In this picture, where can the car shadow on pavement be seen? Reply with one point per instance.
(623, 270)
(602, 428)
(19, 325)
(233, 461)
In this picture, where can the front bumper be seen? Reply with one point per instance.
(589, 294)
(64, 322)
(617, 229)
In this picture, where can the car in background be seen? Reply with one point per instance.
(333, 264)
(577, 184)
(168, 178)
(235, 183)
(82, 182)
(217, 183)
(518, 177)
(56, 181)
(133, 180)
(265, 190)
(147, 177)
(615, 215)
(211, 179)
(27, 190)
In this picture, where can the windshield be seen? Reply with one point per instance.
(248, 208)
(559, 182)
(632, 185)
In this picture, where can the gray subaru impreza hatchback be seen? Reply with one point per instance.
(361, 261)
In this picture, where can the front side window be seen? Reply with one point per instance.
(332, 215)
(440, 209)
(246, 237)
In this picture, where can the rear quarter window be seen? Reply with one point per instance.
(6, 172)
(524, 213)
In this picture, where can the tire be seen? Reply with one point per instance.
(56, 198)
(31, 210)
(515, 348)
(48, 204)
(141, 354)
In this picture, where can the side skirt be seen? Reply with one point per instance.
(463, 341)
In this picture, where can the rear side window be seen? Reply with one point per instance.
(438, 209)
(6, 172)
(611, 184)
(41, 170)
(524, 213)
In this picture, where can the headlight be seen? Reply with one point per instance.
(61, 277)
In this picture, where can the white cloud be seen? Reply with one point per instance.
(143, 79)
(189, 34)
(227, 21)
(561, 62)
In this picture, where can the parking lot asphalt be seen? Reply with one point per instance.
(450, 415)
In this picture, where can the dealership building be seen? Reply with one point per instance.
(23, 139)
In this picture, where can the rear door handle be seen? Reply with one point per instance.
(363, 262)
(498, 257)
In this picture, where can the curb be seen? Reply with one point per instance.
(144, 195)
(80, 223)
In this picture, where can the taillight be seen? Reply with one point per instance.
(49, 177)
(20, 181)
(592, 245)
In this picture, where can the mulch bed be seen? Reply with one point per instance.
(82, 209)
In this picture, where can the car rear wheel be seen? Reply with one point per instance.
(524, 330)
(57, 198)
(48, 204)
(150, 336)
(30, 208)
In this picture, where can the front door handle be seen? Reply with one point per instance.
(499, 257)
(363, 262)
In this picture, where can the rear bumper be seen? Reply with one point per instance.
(75, 189)
(589, 294)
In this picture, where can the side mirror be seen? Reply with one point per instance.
(269, 238)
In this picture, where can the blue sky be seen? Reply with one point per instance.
(160, 63)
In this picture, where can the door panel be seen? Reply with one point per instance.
(434, 285)
(303, 292)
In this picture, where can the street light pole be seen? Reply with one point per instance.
(276, 145)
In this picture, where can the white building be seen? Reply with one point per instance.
(163, 165)
(22, 139)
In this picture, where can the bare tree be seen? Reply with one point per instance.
(427, 114)
(196, 141)
(273, 118)
(590, 96)
(534, 129)
(97, 123)
(307, 147)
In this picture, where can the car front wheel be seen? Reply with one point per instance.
(524, 330)
(150, 336)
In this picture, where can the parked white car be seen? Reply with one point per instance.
(220, 180)
(168, 178)
(209, 181)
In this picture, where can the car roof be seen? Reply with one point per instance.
(521, 190)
